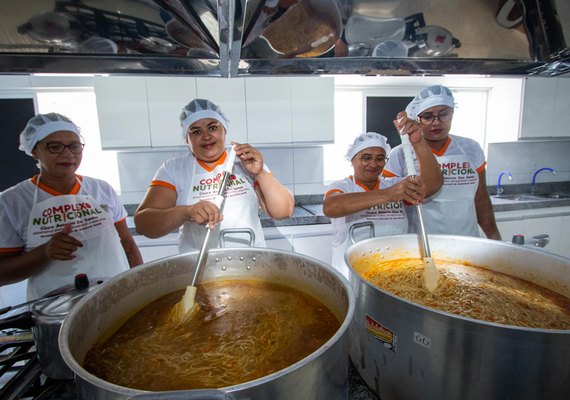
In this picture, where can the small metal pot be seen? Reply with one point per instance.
(45, 319)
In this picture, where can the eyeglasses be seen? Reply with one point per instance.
(58, 147)
(367, 159)
(429, 118)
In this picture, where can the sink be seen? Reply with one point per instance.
(553, 195)
(532, 197)
(518, 197)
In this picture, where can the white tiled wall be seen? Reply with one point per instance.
(299, 168)
(523, 158)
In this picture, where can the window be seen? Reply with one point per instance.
(351, 119)
(81, 108)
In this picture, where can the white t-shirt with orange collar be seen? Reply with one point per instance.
(194, 181)
(386, 218)
(452, 209)
(16, 203)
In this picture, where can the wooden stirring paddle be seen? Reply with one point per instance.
(431, 273)
(186, 307)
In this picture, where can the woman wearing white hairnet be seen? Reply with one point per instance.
(58, 224)
(463, 204)
(181, 193)
(365, 198)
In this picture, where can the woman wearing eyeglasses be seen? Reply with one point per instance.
(462, 206)
(364, 201)
(58, 224)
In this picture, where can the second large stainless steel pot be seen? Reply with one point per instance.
(404, 350)
(321, 375)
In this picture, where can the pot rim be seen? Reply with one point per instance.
(78, 369)
(356, 275)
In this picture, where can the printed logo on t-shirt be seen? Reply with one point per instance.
(458, 173)
(52, 219)
(385, 211)
(235, 186)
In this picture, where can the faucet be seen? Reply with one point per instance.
(533, 189)
(500, 190)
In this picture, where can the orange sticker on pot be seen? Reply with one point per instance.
(381, 333)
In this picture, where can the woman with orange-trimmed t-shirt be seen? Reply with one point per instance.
(364, 198)
(58, 224)
(182, 191)
(462, 206)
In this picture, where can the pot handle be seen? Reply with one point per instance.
(20, 321)
(248, 231)
(205, 394)
(359, 225)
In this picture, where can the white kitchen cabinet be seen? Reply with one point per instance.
(122, 109)
(561, 120)
(311, 240)
(312, 109)
(318, 246)
(153, 249)
(545, 107)
(551, 221)
(14, 82)
(144, 111)
(288, 110)
(151, 253)
(279, 244)
(166, 96)
(229, 94)
(268, 105)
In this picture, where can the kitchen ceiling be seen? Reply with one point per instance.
(270, 37)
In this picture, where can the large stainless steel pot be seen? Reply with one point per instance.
(404, 350)
(321, 375)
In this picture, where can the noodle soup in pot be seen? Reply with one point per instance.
(243, 330)
(496, 327)
(470, 291)
(254, 302)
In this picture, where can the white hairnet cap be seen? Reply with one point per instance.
(198, 109)
(366, 140)
(42, 125)
(436, 95)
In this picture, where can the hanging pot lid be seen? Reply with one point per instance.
(434, 40)
(373, 30)
(49, 27)
(98, 45)
(156, 44)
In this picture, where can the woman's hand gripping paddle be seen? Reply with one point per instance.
(431, 274)
(186, 307)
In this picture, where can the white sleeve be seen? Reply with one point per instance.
(396, 163)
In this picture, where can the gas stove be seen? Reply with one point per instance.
(20, 373)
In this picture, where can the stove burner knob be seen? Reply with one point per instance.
(81, 281)
(518, 239)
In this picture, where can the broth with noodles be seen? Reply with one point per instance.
(471, 291)
(242, 331)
